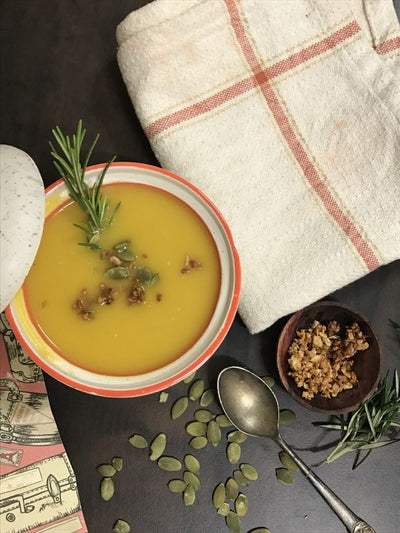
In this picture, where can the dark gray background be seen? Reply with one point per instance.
(58, 65)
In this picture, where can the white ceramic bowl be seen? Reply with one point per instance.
(124, 386)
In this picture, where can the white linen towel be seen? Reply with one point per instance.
(287, 115)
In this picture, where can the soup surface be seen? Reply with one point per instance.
(125, 337)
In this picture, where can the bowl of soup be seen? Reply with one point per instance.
(145, 308)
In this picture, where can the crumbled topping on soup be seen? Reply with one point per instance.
(190, 264)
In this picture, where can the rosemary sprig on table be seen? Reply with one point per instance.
(92, 202)
(370, 426)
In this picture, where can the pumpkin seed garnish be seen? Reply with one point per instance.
(121, 246)
(241, 505)
(106, 470)
(126, 255)
(191, 479)
(249, 471)
(286, 416)
(138, 441)
(240, 478)
(196, 429)
(260, 530)
(203, 415)
(269, 381)
(117, 463)
(189, 495)
(157, 447)
(189, 378)
(233, 522)
(287, 461)
(163, 396)
(219, 495)
(107, 488)
(231, 489)
(192, 463)
(284, 476)
(213, 433)
(179, 407)
(119, 272)
(223, 421)
(169, 464)
(177, 485)
(224, 509)
(121, 526)
(196, 389)
(198, 443)
(207, 397)
(233, 452)
(237, 436)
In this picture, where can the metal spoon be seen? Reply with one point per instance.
(252, 407)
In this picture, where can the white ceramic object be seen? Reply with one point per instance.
(22, 200)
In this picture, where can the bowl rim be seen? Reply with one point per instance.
(229, 313)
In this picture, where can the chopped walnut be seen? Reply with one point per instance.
(106, 295)
(136, 294)
(190, 264)
(321, 360)
(81, 306)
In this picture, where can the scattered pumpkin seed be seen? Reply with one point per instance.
(196, 429)
(126, 255)
(192, 463)
(117, 463)
(223, 421)
(249, 471)
(163, 396)
(189, 378)
(179, 407)
(106, 470)
(157, 447)
(138, 441)
(233, 452)
(231, 489)
(121, 246)
(213, 433)
(191, 479)
(224, 509)
(117, 273)
(107, 488)
(189, 495)
(284, 476)
(177, 485)
(121, 526)
(240, 478)
(269, 381)
(233, 522)
(237, 436)
(241, 505)
(219, 495)
(287, 461)
(260, 530)
(207, 397)
(203, 415)
(169, 464)
(196, 389)
(286, 416)
(198, 443)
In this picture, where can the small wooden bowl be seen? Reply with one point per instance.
(367, 364)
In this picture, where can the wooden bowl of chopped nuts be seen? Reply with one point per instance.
(329, 358)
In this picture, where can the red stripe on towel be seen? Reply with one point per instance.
(388, 46)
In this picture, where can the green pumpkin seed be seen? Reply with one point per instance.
(117, 463)
(213, 433)
(223, 421)
(198, 443)
(138, 441)
(106, 470)
(249, 471)
(203, 415)
(179, 407)
(192, 479)
(233, 452)
(237, 436)
(192, 464)
(121, 246)
(241, 505)
(286, 416)
(177, 485)
(196, 389)
(284, 476)
(121, 526)
(189, 495)
(163, 396)
(240, 478)
(117, 273)
(169, 464)
(287, 461)
(269, 381)
(189, 378)
(126, 255)
(107, 488)
(260, 530)
(233, 522)
(157, 447)
(231, 489)
(144, 274)
(219, 495)
(224, 509)
(207, 397)
(196, 429)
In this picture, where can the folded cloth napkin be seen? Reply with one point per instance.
(287, 115)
